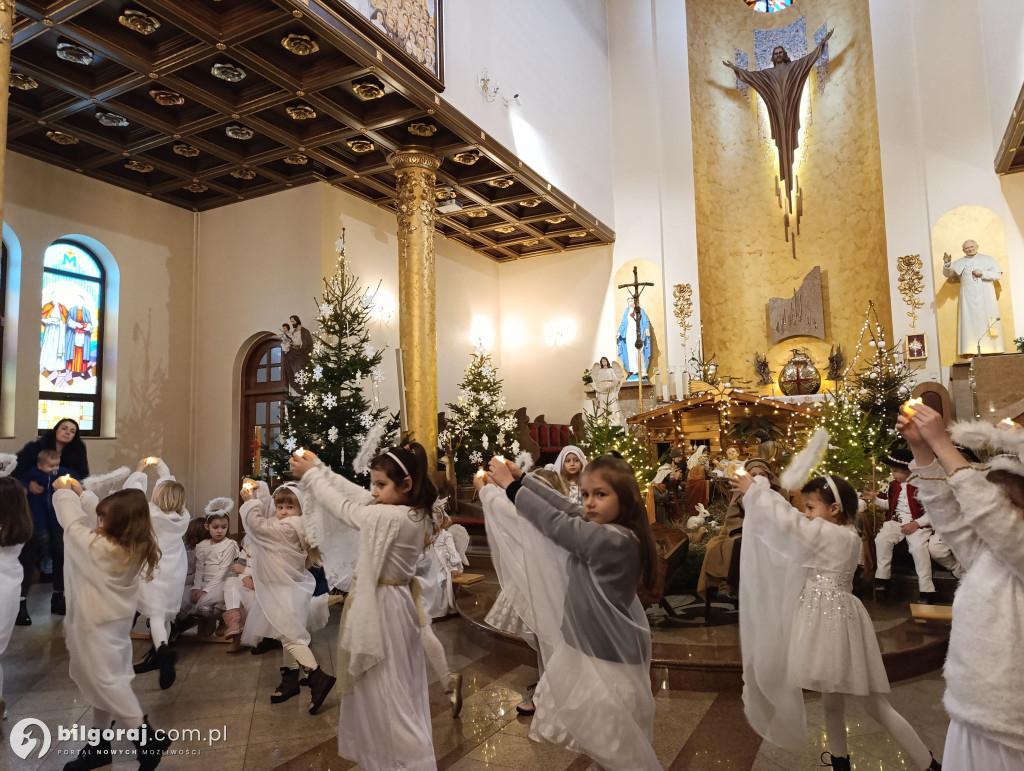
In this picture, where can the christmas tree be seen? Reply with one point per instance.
(333, 414)
(600, 436)
(883, 383)
(478, 425)
(858, 441)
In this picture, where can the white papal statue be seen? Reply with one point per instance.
(978, 310)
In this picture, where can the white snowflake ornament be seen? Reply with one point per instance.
(302, 377)
(369, 350)
(484, 441)
(311, 401)
(377, 375)
(318, 372)
(290, 443)
(332, 434)
(330, 401)
(326, 308)
(366, 421)
(476, 457)
(339, 245)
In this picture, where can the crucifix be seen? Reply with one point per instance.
(634, 290)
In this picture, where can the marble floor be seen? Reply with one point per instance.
(230, 694)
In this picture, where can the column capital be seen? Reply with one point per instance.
(414, 157)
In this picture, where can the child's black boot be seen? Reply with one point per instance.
(58, 605)
(91, 757)
(165, 660)
(23, 619)
(837, 763)
(320, 684)
(289, 686)
(150, 750)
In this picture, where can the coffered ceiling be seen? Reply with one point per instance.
(201, 103)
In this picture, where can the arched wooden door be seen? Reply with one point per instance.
(263, 393)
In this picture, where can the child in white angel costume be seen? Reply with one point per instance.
(384, 712)
(160, 598)
(214, 557)
(801, 627)
(978, 509)
(283, 588)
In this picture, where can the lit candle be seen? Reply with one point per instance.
(151, 461)
(740, 472)
(248, 484)
(300, 452)
(66, 479)
(501, 458)
(1007, 423)
(480, 471)
(908, 406)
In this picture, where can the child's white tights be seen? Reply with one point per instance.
(103, 720)
(435, 653)
(298, 655)
(879, 708)
(159, 630)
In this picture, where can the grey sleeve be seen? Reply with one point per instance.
(583, 539)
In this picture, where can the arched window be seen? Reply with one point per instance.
(263, 394)
(71, 337)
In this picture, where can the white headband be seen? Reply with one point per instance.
(834, 489)
(400, 464)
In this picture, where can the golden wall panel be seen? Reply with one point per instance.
(743, 258)
(948, 235)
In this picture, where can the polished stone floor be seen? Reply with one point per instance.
(693, 729)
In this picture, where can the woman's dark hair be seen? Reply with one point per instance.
(423, 493)
(297, 320)
(73, 455)
(195, 533)
(15, 518)
(848, 500)
(632, 511)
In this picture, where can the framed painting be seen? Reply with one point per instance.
(409, 30)
(916, 347)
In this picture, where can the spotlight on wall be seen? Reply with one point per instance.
(514, 100)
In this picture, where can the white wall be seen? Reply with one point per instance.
(554, 54)
(944, 99)
(149, 330)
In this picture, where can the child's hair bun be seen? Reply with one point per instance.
(219, 507)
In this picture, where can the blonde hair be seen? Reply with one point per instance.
(169, 496)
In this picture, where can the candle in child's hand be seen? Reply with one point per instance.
(248, 484)
(66, 479)
(480, 471)
(151, 461)
(908, 406)
(741, 472)
(1007, 423)
(501, 458)
(300, 452)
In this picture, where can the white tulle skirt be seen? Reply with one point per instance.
(503, 617)
(600, 708)
(834, 648)
(968, 749)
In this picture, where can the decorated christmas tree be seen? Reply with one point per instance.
(478, 425)
(858, 441)
(600, 436)
(339, 403)
(882, 382)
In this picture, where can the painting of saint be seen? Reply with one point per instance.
(51, 360)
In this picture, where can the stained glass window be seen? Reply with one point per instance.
(769, 6)
(71, 337)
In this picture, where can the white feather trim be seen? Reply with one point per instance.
(804, 463)
(525, 461)
(8, 462)
(461, 538)
(105, 484)
(220, 506)
(368, 449)
(984, 436)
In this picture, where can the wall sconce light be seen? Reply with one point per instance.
(380, 303)
(486, 90)
(559, 332)
(514, 100)
(481, 333)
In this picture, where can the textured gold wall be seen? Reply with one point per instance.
(743, 257)
(952, 229)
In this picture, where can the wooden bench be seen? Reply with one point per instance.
(465, 579)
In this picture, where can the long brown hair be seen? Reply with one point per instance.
(126, 522)
(195, 533)
(632, 512)
(423, 493)
(15, 518)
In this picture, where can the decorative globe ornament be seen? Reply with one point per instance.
(799, 377)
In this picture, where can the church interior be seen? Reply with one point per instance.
(612, 225)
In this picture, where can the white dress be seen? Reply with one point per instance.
(10, 590)
(434, 572)
(593, 637)
(161, 597)
(800, 625)
(102, 596)
(213, 566)
(282, 584)
(384, 720)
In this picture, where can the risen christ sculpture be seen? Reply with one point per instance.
(781, 86)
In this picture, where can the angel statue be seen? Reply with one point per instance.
(608, 379)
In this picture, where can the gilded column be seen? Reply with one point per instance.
(6, 36)
(415, 171)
